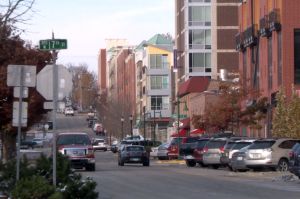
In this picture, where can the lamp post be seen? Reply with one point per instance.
(178, 120)
(130, 119)
(154, 120)
(122, 129)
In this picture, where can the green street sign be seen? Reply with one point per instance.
(53, 44)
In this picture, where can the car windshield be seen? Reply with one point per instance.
(73, 139)
(262, 144)
(191, 139)
(163, 146)
(240, 145)
(134, 148)
(214, 144)
(99, 141)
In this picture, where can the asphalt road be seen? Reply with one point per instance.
(176, 181)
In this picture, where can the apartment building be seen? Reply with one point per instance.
(153, 61)
(269, 45)
(102, 75)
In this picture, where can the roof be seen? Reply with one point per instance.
(160, 39)
(193, 85)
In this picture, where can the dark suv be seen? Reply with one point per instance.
(78, 148)
(133, 154)
(294, 160)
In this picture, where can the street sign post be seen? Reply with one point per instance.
(53, 44)
(17, 112)
(14, 73)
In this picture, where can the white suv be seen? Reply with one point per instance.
(69, 111)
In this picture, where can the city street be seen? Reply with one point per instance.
(170, 179)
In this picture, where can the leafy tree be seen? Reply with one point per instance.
(13, 50)
(280, 118)
(294, 116)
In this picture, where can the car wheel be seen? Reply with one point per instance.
(121, 163)
(215, 166)
(91, 167)
(146, 164)
(190, 163)
(283, 165)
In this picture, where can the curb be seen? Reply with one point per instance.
(181, 162)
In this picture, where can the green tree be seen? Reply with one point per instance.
(280, 119)
(293, 111)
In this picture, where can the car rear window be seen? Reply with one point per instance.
(229, 145)
(262, 144)
(239, 145)
(214, 144)
(134, 148)
(191, 139)
(73, 139)
(201, 143)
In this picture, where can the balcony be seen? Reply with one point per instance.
(239, 42)
(274, 21)
(264, 27)
(249, 36)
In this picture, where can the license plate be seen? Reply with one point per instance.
(256, 155)
(239, 158)
(135, 159)
(189, 157)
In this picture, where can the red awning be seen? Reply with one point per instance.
(197, 132)
(182, 133)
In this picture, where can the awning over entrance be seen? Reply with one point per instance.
(181, 133)
(197, 132)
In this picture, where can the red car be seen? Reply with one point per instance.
(78, 148)
(173, 147)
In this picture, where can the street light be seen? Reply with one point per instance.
(178, 118)
(154, 120)
(122, 129)
(130, 119)
(145, 123)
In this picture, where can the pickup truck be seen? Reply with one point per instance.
(77, 146)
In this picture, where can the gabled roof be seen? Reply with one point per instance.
(193, 85)
(160, 39)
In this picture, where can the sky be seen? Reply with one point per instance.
(87, 23)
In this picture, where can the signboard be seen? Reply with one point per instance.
(14, 75)
(181, 116)
(53, 44)
(16, 113)
(45, 82)
(17, 92)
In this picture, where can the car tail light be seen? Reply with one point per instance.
(199, 151)
(205, 149)
(291, 154)
(222, 149)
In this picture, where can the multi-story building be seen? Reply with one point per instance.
(204, 41)
(205, 31)
(269, 44)
(102, 79)
(153, 61)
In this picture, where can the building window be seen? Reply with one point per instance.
(199, 16)
(159, 82)
(159, 103)
(200, 39)
(270, 56)
(199, 62)
(158, 61)
(279, 40)
(296, 56)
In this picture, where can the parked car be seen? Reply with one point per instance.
(269, 153)
(133, 154)
(173, 149)
(99, 144)
(237, 162)
(27, 144)
(188, 145)
(69, 111)
(230, 148)
(162, 151)
(39, 141)
(197, 155)
(77, 146)
(294, 160)
(153, 152)
(212, 152)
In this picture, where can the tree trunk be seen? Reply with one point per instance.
(9, 146)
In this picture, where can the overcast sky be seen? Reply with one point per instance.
(87, 23)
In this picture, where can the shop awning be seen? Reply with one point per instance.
(181, 133)
(197, 132)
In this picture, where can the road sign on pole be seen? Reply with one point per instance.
(53, 44)
(14, 74)
(45, 82)
(16, 113)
